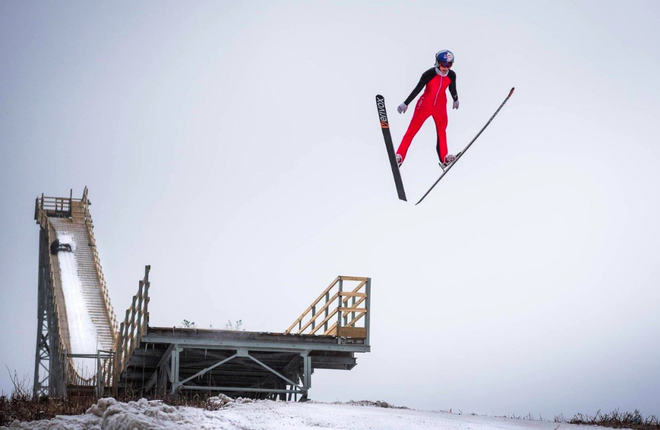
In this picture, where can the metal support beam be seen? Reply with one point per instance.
(174, 369)
(201, 372)
(42, 354)
(367, 321)
(272, 370)
(154, 376)
(242, 389)
(254, 345)
(296, 388)
(307, 369)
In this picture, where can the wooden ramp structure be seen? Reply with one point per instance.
(139, 359)
(170, 360)
(64, 364)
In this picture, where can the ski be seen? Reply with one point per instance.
(385, 127)
(460, 154)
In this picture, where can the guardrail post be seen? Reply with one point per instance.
(313, 317)
(117, 360)
(339, 306)
(99, 376)
(124, 340)
(145, 315)
(353, 306)
(327, 311)
(367, 306)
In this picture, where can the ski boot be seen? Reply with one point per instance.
(449, 160)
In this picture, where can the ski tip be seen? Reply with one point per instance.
(423, 197)
(511, 92)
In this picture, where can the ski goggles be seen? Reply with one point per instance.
(446, 65)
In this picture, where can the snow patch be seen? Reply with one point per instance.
(244, 414)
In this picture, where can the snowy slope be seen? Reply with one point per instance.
(82, 332)
(109, 414)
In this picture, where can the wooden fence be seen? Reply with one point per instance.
(133, 327)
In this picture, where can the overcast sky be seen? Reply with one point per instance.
(235, 147)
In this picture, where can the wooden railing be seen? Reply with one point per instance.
(134, 326)
(342, 310)
(60, 205)
(84, 207)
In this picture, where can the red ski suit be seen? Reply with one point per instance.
(432, 103)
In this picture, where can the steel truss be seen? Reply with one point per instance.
(49, 378)
(296, 384)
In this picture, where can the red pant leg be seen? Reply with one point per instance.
(419, 116)
(440, 118)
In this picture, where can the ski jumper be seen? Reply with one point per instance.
(432, 103)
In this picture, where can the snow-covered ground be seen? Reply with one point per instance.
(82, 332)
(108, 414)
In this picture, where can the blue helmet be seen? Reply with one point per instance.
(444, 58)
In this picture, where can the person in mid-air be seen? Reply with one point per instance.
(432, 103)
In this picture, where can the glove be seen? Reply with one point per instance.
(455, 105)
(402, 108)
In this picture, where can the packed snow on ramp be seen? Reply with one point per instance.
(225, 414)
(82, 332)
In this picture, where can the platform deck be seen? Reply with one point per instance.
(249, 360)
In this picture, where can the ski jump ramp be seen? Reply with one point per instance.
(81, 346)
(76, 329)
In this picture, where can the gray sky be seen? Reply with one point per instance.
(235, 147)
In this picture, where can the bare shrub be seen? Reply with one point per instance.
(615, 419)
